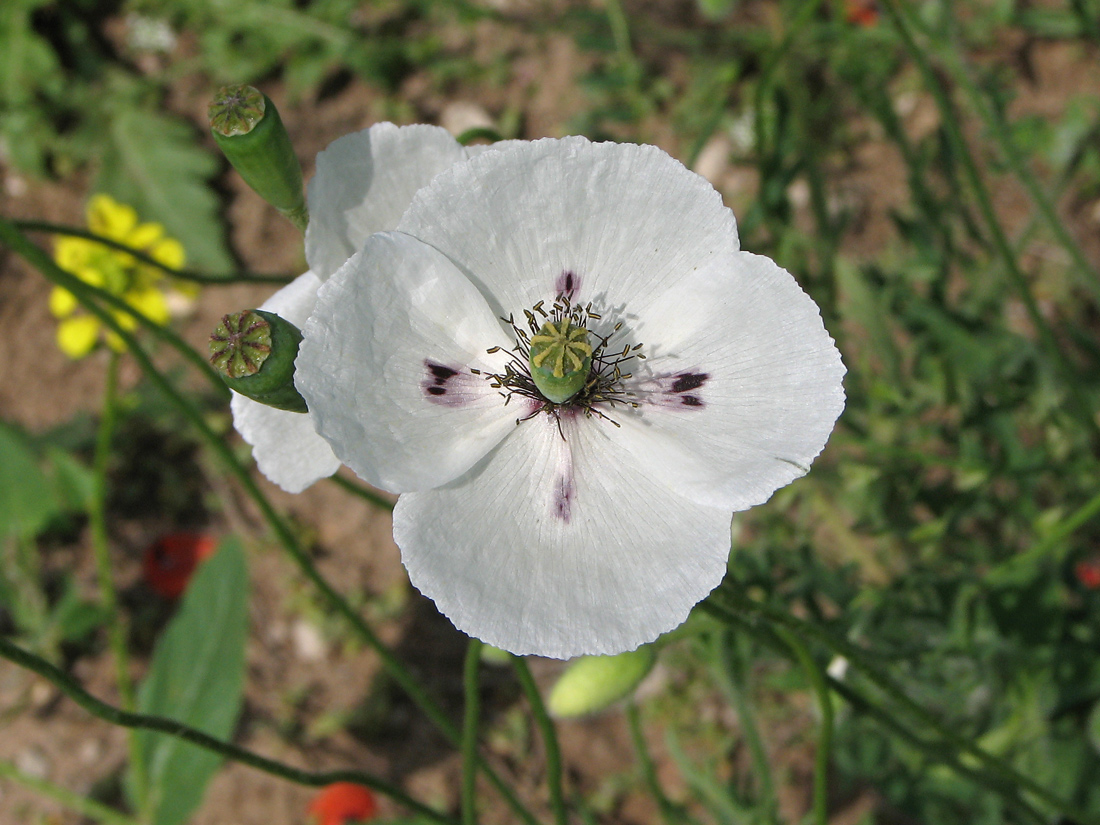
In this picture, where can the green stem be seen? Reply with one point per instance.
(364, 492)
(861, 704)
(953, 130)
(117, 631)
(39, 259)
(117, 716)
(669, 812)
(144, 257)
(1001, 132)
(87, 808)
(737, 690)
(862, 662)
(549, 739)
(472, 688)
(824, 746)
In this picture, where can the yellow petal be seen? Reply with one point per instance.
(125, 320)
(169, 252)
(106, 216)
(145, 235)
(70, 253)
(150, 303)
(115, 343)
(90, 274)
(62, 302)
(76, 336)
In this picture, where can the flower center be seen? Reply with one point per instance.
(560, 364)
(560, 359)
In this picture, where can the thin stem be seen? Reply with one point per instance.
(737, 691)
(182, 274)
(117, 716)
(472, 689)
(87, 292)
(824, 746)
(364, 492)
(549, 739)
(1084, 514)
(393, 666)
(669, 812)
(87, 808)
(953, 130)
(862, 704)
(995, 124)
(117, 631)
(862, 661)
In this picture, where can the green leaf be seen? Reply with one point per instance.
(196, 677)
(27, 499)
(153, 163)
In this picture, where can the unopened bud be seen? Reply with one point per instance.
(247, 127)
(253, 352)
(593, 683)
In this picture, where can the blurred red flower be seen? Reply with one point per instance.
(861, 12)
(170, 561)
(1088, 572)
(343, 803)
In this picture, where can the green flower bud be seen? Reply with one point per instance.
(247, 127)
(560, 360)
(593, 683)
(253, 352)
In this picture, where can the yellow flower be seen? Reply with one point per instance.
(137, 283)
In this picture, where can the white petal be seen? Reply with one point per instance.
(385, 366)
(744, 383)
(365, 181)
(561, 546)
(622, 219)
(286, 447)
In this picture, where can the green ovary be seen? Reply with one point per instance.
(560, 360)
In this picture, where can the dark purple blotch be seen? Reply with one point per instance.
(676, 390)
(567, 283)
(563, 498)
(441, 384)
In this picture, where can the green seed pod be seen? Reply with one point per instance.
(593, 683)
(253, 352)
(560, 360)
(247, 127)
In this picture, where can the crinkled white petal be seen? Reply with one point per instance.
(561, 546)
(365, 181)
(759, 383)
(285, 445)
(385, 366)
(623, 220)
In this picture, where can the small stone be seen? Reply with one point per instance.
(713, 160)
(309, 644)
(33, 762)
(462, 116)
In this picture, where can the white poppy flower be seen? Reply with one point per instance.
(595, 524)
(363, 183)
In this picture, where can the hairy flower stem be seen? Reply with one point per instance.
(10, 236)
(145, 258)
(816, 678)
(471, 688)
(138, 721)
(549, 739)
(117, 629)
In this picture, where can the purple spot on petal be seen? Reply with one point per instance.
(567, 283)
(448, 386)
(676, 390)
(563, 498)
(689, 381)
